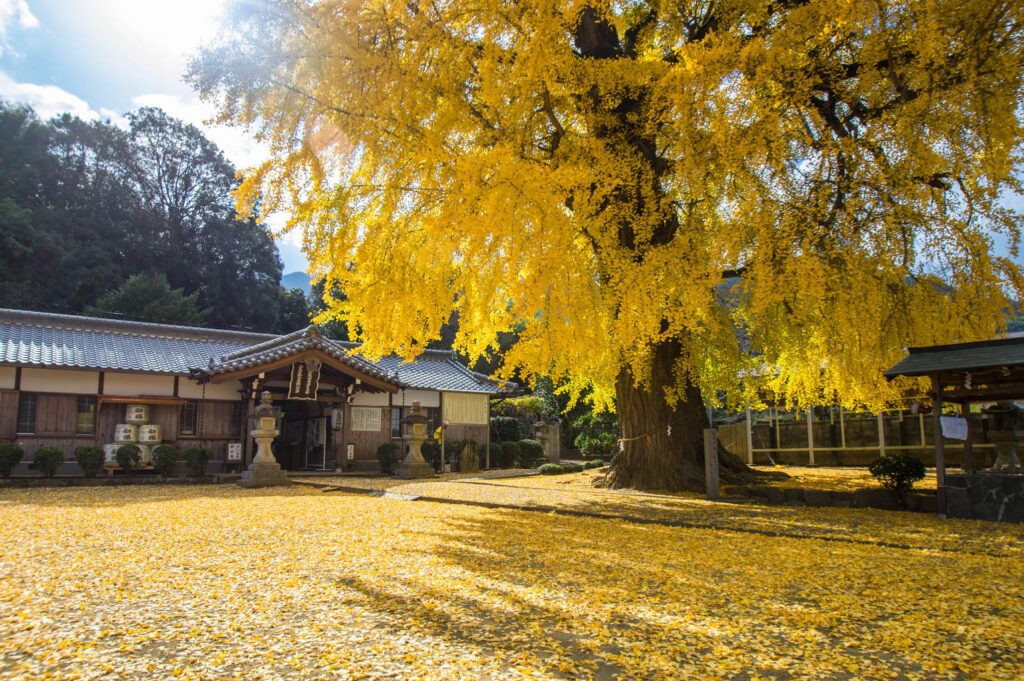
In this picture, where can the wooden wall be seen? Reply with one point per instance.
(56, 420)
(8, 414)
(366, 442)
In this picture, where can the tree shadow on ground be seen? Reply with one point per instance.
(572, 595)
(896, 529)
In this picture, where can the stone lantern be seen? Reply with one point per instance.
(264, 471)
(413, 465)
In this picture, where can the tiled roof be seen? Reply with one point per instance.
(1003, 352)
(440, 370)
(280, 347)
(67, 341)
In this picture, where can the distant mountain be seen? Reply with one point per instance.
(296, 280)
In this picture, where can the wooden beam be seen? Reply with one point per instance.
(335, 364)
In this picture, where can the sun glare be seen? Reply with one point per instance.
(168, 31)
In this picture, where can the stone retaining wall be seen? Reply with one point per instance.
(924, 502)
(986, 497)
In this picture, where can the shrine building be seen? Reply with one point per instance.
(66, 380)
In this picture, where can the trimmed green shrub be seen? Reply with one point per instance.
(550, 469)
(512, 452)
(431, 451)
(47, 460)
(596, 463)
(127, 457)
(497, 455)
(531, 453)
(164, 457)
(897, 471)
(505, 429)
(387, 456)
(572, 468)
(10, 455)
(196, 459)
(90, 459)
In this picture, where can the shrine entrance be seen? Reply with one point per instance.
(307, 438)
(311, 379)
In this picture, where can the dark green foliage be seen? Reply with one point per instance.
(497, 455)
(511, 452)
(294, 311)
(572, 467)
(84, 206)
(431, 451)
(505, 429)
(10, 455)
(531, 454)
(90, 459)
(47, 460)
(196, 459)
(164, 457)
(897, 471)
(596, 435)
(596, 463)
(127, 457)
(550, 469)
(387, 456)
(149, 296)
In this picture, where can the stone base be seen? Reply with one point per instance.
(264, 475)
(415, 469)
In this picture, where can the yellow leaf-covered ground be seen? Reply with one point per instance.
(223, 583)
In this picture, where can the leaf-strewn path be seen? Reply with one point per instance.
(223, 583)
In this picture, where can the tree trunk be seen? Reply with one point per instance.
(663, 446)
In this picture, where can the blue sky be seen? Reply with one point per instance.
(99, 59)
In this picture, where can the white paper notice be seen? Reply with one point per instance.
(954, 427)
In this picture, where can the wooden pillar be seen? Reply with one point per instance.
(810, 435)
(750, 438)
(842, 428)
(967, 464)
(881, 432)
(940, 452)
(778, 429)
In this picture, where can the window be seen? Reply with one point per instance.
(396, 422)
(235, 428)
(27, 413)
(433, 415)
(187, 418)
(85, 423)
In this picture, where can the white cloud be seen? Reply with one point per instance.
(11, 11)
(47, 100)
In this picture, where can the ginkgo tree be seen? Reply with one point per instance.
(673, 203)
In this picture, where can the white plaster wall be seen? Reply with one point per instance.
(369, 399)
(136, 384)
(426, 398)
(214, 391)
(7, 377)
(60, 381)
(466, 408)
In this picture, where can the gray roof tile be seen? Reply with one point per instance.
(67, 341)
(922, 361)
